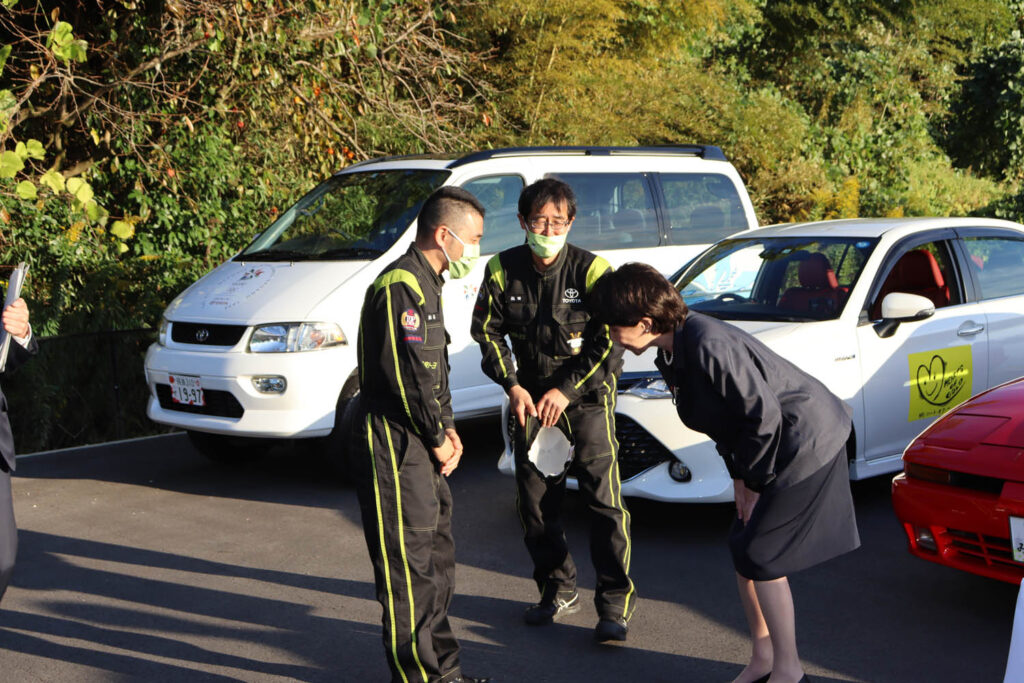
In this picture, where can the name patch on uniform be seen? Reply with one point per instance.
(571, 296)
(410, 320)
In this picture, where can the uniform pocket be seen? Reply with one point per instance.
(567, 338)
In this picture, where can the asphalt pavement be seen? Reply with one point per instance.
(141, 561)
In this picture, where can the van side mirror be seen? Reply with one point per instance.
(899, 307)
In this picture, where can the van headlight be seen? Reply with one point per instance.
(161, 335)
(288, 337)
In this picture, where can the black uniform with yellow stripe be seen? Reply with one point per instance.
(558, 345)
(405, 406)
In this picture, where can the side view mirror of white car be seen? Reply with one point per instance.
(906, 307)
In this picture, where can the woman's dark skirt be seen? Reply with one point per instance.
(798, 526)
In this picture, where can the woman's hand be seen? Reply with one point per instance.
(745, 500)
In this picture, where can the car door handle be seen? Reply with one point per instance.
(970, 329)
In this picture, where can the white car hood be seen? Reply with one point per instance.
(767, 331)
(238, 292)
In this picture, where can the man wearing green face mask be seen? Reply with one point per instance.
(564, 376)
(406, 443)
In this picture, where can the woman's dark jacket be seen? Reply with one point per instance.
(772, 423)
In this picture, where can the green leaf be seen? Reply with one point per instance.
(10, 164)
(81, 190)
(64, 45)
(5, 52)
(36, 149)
(53, 180)
(122, 230)
(21, 150)
(95, 212)
(26, 190)
(9, 3)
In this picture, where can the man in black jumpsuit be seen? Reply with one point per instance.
(565, 374)
(407, 441)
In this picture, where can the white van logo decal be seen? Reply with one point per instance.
(235, 287)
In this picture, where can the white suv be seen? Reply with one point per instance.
(261, 347)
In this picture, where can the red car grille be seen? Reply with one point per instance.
(990, 550)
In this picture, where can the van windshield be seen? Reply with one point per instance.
(349, 216)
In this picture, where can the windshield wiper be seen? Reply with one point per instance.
(274, 255)
(350, 252)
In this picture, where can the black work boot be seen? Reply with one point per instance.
(611, 629)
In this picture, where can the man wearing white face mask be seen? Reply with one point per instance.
(564, 376)
(407, 444)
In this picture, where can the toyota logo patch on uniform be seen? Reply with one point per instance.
(571, 296)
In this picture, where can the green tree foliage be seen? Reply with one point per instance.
(145, 141)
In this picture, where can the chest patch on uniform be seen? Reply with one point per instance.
(410, 320)
(575, 342)
(571, 296)
(431, 317)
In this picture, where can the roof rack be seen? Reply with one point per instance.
(399, 157)
(709, 152)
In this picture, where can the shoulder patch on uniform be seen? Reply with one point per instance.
(410, 320)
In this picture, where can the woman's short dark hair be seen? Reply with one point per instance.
(634, 291)
(536, 195)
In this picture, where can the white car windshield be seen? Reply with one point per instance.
(783, 278)
(349, 216)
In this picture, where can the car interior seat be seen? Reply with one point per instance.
(917, 272)
(819, 291)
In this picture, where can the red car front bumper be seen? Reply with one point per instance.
(970, 529)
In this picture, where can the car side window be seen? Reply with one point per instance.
(926, 270)
(613, 211)
(702, 207)
(500, 196)
(998, 265)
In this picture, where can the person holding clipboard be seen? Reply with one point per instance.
(16, 346)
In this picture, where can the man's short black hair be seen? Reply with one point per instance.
(446, 206)
(536, 195)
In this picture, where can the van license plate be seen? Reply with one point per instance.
(186, 389)
(1017, 538)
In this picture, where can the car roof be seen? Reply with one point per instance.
(873, 227)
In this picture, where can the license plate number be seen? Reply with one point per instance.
(186, 389)
(1017, 538)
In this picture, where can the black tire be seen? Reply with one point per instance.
(335, 448)
(230, 450)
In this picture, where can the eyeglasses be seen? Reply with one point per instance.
(557, 224)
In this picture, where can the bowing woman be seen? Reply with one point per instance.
(782, 436)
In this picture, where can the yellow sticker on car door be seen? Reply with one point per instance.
(939, 381)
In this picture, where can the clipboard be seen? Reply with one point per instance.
(13, 292)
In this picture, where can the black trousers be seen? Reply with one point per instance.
(407, 512)
(8, 531)
(590, 425)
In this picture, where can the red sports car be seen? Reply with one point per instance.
(961, 495)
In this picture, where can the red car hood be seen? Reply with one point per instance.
(983, 436)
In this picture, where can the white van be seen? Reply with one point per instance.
(261, 348)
